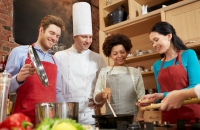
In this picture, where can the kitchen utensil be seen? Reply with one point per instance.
(4, 87)
(118, 15)
(38, 65)
(141, 68)
(108, 121)
(158, 105)
(141, 53)
(146, 70)
(137, 52)
(151, 68)
(150, 51)
(150, 91)
(56, 110)
(144, 9)
(130, 55)
(110, 105)
(111, 108)
(58, 47)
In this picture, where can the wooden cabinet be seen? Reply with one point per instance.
(185, 20)
(183, 15)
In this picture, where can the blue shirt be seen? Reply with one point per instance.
(17, 59)
(191, 65)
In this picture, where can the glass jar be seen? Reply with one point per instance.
(4, 87)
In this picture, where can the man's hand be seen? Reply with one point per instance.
(26, 71)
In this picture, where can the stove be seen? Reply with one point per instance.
(123, 125)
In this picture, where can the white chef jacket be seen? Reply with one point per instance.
(197, 90)
(79, 72)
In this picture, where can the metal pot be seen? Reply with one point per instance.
(109, 121)
(118, 15)
(56, 110)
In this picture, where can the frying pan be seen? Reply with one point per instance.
(109, 121)
(38, 66)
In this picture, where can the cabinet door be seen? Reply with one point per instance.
(185, 20)
(150, 116)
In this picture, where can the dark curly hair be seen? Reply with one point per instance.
(116, 39)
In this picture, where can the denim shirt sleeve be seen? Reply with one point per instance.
(15, 61)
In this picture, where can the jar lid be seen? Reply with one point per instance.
(5, 74)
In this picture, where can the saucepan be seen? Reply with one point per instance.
(56, 110)
(109, 121)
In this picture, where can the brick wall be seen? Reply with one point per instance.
(95, 25)
(6, 37)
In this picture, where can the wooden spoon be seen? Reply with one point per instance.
(111, 108)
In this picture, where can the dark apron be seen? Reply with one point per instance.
(33, 91)
(179, 81)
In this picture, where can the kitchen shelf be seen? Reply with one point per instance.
(143, 57)
(195, 46)
(150, 73)
(113, 6)
(150, 3)
(137, 26)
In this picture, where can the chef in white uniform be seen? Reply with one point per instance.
(79, 65)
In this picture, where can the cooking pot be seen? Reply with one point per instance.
(117, 15)
(56, 110)
(109, 121)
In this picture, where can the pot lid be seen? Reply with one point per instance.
(38, 66)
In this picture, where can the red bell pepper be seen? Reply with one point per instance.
(17, 121)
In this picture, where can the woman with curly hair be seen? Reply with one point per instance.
(121, 85)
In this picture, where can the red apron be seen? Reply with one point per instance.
(33, 91)
(175, 78)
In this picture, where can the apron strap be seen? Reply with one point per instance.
(178, 59)
(163, 62)
(51, 55)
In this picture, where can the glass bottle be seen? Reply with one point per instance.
(2, 63)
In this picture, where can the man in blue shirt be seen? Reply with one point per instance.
(25, 82)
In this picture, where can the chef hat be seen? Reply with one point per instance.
(82, 22)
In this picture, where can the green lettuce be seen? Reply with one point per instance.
(50, 124)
